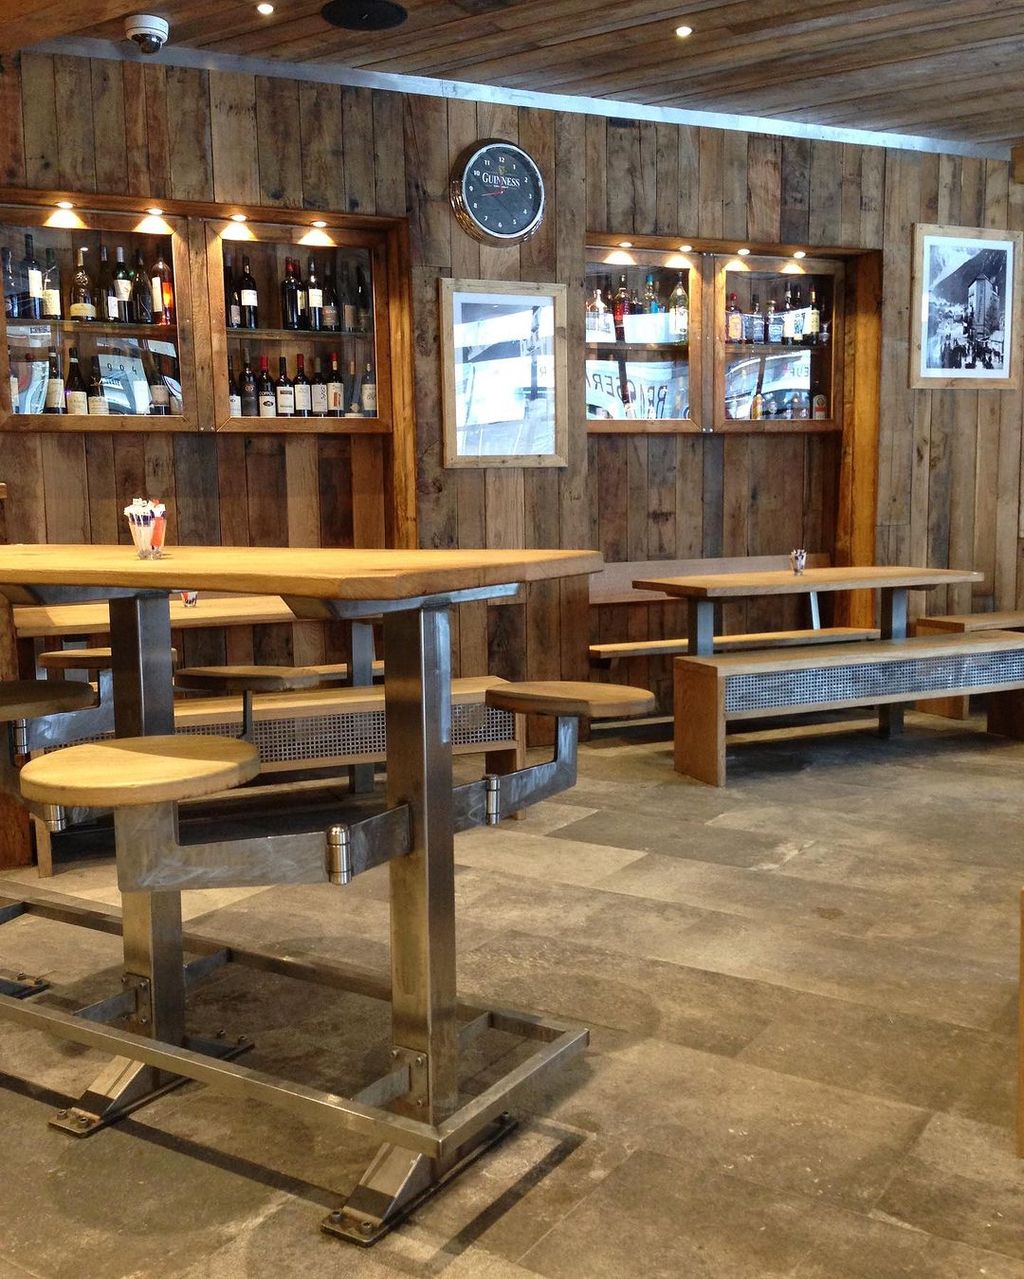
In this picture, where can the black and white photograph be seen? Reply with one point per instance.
(964, 307)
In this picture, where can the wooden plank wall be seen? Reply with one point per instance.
(949, 462)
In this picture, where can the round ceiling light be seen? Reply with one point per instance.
(363, 15)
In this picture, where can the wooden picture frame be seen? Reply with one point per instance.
(504, 370)
(965, 312)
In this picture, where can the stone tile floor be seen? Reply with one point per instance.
(802, 992)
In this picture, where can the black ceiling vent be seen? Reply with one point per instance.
(363, 15)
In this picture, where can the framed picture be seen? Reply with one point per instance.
(503, 362)
(965, 307)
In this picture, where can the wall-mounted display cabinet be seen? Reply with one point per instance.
(696, 339)
(199, 317)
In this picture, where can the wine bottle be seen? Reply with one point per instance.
(368, 393)
(247, 389)
(812, 325)
(32, 283)
(163, 290)
(52, 304)
(142, 292)
(679, 312)
(106, 298)
(318, 390)
(733, 320)
(123, 288)
(159, 392)
(248, 298)
(289, 297)
(620, 307)
(335, 389)
(54, 385)
(98, 402)
(788, 317)
(12, 292)
(331, 318)
(303, 299)
(83, 301)
(348, 392)
(232, 300)
(75, 396)
(348, 302)
(285, 390)
(234, 394)
(314, 299)
(362, 301)
(265, 387)
(303, 392)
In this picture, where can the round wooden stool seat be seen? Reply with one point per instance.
(82, 659)
(139, 770)
(564, 697)
(246, 679)
(33, 698)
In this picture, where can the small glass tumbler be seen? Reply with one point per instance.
(798, 559)
(189, 598)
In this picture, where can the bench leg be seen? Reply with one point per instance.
(893, 621)
(1006, 713)
(954, 707)
(699, 719)
(44, 847)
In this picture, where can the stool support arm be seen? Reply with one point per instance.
(492, 798)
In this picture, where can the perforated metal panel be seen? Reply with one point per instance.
(882, 680)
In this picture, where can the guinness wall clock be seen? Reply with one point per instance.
(497, 192)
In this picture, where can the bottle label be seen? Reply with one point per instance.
(303, 399)
(249, 297)
(334, 397)
(316, 297)
(78, 402)
(82, 311)
(250, 405)
(734, 327)
(775, 328)
(157, 289)
(55, 393)
(235, 316)
(112, 311)
(302, 301)
(285, 401)
(51, 303)
(15, 393)
(318, 399)
(98, 404)
(268, 405)
(159, 395)
(234, 406)
(812, 324)
(788, 324)
(820, 409)
(35, 283)
(330, 317)
(122, 290)
(349, 313)
(369, 397)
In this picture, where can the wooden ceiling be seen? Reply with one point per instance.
(942, 68)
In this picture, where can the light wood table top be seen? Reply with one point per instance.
(34, 621)
(324, 574)
(867, 577)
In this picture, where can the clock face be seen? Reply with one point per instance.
(498, 193)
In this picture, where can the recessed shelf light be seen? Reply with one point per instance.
(625, 244)
(265, 9)
(238, 217)
(799, 254)
(686, 248)
(154, 212)
(64, 204)
(319, 222)
(683, 32)
(743, 253)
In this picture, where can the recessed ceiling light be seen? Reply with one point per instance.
(743, 252)
(265, 9)
(363, 15)
(238, 217)
(625, 244)
(319, 222)
(799, 254)
(64, 204)
(683, 32)
(154, 212)
(686, 248)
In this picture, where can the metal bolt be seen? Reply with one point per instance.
(221, 1034)
(421, 1061)
(81, 1120)
(143, 1021)
(124, 979)
(394, 1052)
(366, 1227)
(21, 976)
(421, 1102)
(242, 1039)
(62, 1114)
(40, 981)
(144, 984)
(335, 1216)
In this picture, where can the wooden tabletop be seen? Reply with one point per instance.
(34, 621)
(326, 574)
(869, 577)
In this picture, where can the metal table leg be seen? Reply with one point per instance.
(361, 676)
(893, 624)
(417, 687)
(701, 627)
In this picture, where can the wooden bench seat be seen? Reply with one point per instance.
(958, 707)
(711, 691)
(606, 654)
